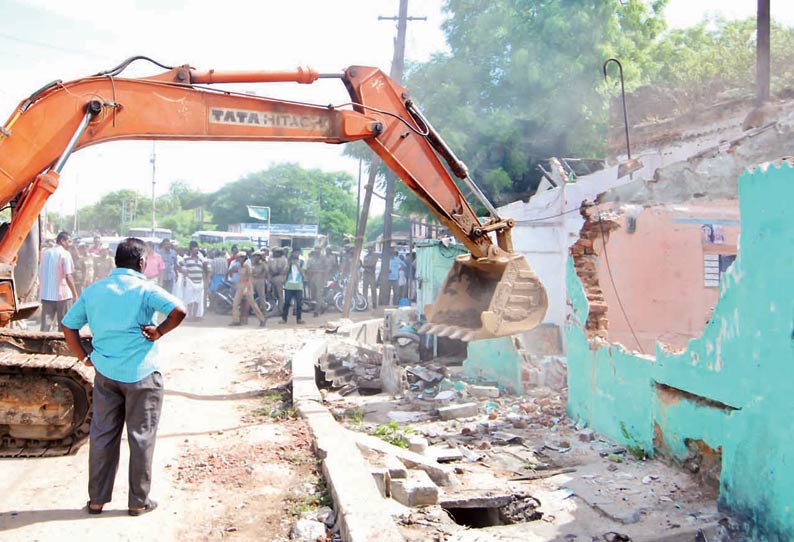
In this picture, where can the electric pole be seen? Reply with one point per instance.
(398, 62)
(762, 52)
(397, 65)
(154, 168)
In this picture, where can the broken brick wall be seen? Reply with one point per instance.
(585, 252)
(666, 263)
(729, 396)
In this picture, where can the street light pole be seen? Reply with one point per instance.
(154, 168)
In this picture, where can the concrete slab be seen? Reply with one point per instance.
(415, 490)
(440, 474)
(464, 410)
(362, 513)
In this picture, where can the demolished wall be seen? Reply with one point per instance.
(725, 404)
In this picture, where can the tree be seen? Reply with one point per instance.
(523, 81)
(717, 57)
(294, 195)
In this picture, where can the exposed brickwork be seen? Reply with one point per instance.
(585, 257)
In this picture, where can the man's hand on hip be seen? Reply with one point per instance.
(151, 333)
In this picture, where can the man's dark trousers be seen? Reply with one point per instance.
(289, 295)
(139, 404)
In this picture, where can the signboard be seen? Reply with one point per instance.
(259, 213)
(256, 228)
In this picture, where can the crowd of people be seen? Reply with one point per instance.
(250, 276)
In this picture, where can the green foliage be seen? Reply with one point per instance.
(523, 81)
(277, 406)
(719, 55)
(392, 434)
(355, 415)
(294, 195)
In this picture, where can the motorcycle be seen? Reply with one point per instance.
(334, 296)
(221, 300)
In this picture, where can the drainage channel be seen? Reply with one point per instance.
(488, 511)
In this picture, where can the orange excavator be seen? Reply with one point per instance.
(45, 395)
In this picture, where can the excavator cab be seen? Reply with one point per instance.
(487, 297)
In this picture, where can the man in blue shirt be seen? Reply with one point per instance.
(128, 383)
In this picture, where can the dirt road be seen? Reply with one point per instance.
(231, 460)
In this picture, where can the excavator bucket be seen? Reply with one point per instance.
(483, 298)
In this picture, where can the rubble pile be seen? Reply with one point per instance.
(349, 366)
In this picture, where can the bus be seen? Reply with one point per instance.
(221, 238)
(159, 233)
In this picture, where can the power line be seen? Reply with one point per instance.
(79, 52)
(612, 280)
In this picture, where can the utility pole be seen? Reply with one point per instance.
(397, 65)
(398, 61)
(154, 168)
(762, 52)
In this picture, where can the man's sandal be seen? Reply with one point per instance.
(93, 511)
(150, 506)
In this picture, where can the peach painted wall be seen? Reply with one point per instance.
(659, 271)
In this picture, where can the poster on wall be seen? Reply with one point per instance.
(712, 234)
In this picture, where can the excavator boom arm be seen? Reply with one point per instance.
(171, 106)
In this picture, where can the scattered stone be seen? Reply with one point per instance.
(464, 410)
(425, 374)
(444, 454)
(306, 530)
(445, 396)
(648, 479)
(587, 435)
(416, 490)
(503, 437)
(484, 392)
(517, 420)
(395, 467)
(417, 444)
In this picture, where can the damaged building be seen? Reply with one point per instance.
(669, 319)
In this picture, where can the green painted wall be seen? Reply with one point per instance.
(433, 262)
(732, 388)
(494, 360)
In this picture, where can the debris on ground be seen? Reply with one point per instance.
(476, 456)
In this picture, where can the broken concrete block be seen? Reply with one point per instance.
(444, 453)
(383, 481)
(484, 392)
(416, 490)
(588, 435)
(306, 530)
(464, 410)
(440, 474)
(392, 375)
(417, 444)
(396, 468)
(445, 396)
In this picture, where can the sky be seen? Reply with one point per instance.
(44, 40)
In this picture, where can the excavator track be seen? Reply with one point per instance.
(45, 396)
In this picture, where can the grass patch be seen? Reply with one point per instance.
(391, 433)
(633, 447)
(304, 502)
(355, 415)
(277, 406)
